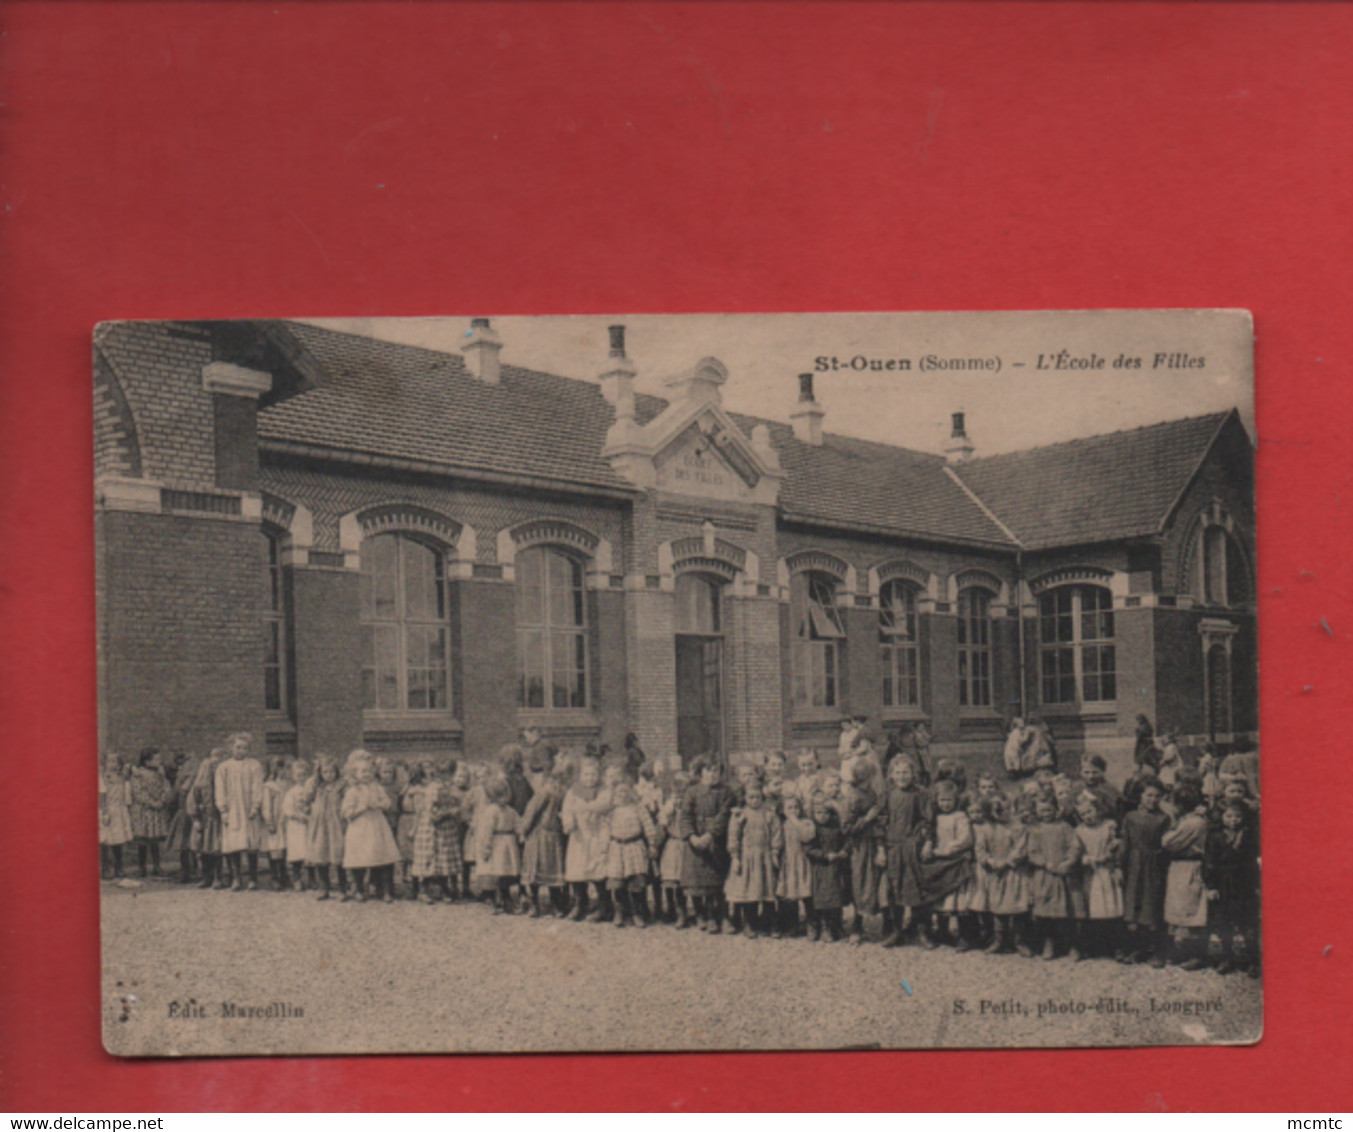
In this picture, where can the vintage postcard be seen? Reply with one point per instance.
(697, 682)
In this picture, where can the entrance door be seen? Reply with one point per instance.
(699, 696)
(699, 666)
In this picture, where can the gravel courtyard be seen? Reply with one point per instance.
(192, 972)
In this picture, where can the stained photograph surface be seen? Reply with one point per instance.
(663, 682)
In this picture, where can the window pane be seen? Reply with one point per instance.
(829, 673)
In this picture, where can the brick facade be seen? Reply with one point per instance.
(181, 571)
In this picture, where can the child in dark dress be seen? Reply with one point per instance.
(1144, 876)
(830, 861)
(1231, 874)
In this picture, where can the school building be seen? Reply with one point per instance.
(336, 541)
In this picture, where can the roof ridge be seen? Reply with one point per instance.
(455, 356)
(1218, 414)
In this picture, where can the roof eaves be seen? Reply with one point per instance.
(346, 455)
(835, 523)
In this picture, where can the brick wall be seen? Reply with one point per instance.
(181, 630)
(753, 695)
(117, 450)
(159, 370)
(331, 494)
(652, 670)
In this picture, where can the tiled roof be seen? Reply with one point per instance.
(389, 399)
(1115, 486)
(879, 487)
(393, 400)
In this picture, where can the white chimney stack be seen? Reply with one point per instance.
(959, 450)
(617, 375)
(481, 349)
(807, 415)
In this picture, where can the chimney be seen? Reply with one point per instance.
(617, 375)
(959, 450)
(807, 415)
(481, 349)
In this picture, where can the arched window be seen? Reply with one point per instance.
(1222, 574)
(974, 647)
(406, 632)
(1076, 652)
(897, 640)
(697, 605)
(551, 630)
(818, 633)
(274, 628)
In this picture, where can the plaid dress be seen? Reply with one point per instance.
(437, 833)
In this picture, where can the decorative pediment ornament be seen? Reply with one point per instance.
(693, 447)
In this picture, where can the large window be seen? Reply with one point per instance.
(818, 634)
(1224, 578)
(551, 630)
(405, 625)
(1075, 632)
(974, 647)
(274, 628)
(897, 640)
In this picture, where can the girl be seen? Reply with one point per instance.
(1207, 768)
(542, 859)
(1231, 874)
(274, 825)
(179, 839)
(806, 784)
(510, 761)
(829, 786)
(150, 795)
(829, 861)
(1185, 895)
(1063, 790)
(499, 851)
(1100, 878)
(979, 818)
(906, 824)
(324, 833)
(205, 839)
(296, 821)
(368, 845)
(437, 836)
(1171, 765)
(411, 805)
(1016, 744)
(705, 814)
(583, 819)
(946, 870)
(115, 819)
(862, 806)
(463, 795)
(775, 785)
(1025, 804)
(629, 852)
(1143, 875)
(795, 882)
(1053, 853)
(1001, 844)
(673, 859)
(393, 779)
(477, 800)
(239, 798)
(755, 849)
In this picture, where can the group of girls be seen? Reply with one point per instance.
(1046, 865)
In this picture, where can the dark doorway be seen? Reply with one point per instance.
(699, 666)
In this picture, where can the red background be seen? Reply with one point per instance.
(218, 160)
